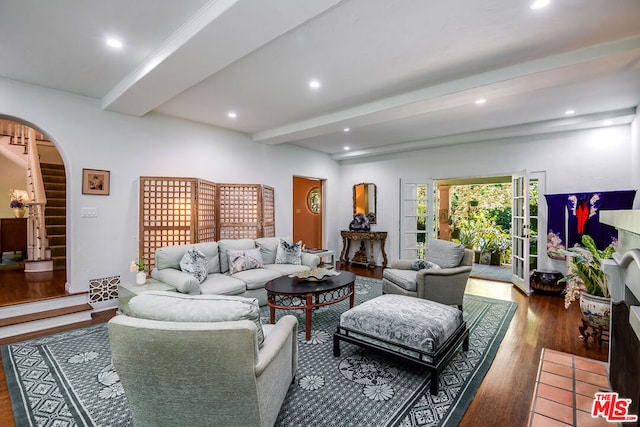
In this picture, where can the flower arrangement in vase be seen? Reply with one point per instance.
(17, 203)
(138, 266)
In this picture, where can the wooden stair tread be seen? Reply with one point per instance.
(45, 314)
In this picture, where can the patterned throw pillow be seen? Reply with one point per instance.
(289, 254)
(423, 264)
(241, 260)
(194, 262)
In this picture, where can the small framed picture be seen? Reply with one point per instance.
(95, 181)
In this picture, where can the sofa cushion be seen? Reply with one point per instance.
(234, 244)
(289, 253)
(444, 253)
(222, 284)
(175, 307)
(406, 279)
(194, 262)
(268, 247)
(256, 279)
(242, 260)
(423, 264)
(170, 256)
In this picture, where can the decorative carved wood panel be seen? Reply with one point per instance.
(180, 211)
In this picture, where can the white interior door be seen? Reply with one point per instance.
(520, 231)
(416, 217)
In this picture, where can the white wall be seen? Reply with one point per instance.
(154, 145)
(589, 160)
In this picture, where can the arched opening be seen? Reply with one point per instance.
(18, 179)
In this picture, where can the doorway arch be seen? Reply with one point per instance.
(14, 133)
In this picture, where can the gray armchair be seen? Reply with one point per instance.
(203, 373)
(445, 285)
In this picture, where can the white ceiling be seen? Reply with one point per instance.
(401, 75)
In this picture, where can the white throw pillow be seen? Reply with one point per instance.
(241, 260)
(194, 262)
(289, 254)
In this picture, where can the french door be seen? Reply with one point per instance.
(520, 231)
(416, 217)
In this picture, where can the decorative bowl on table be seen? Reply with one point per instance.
(315, 275)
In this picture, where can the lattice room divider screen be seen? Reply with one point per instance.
(180, 211)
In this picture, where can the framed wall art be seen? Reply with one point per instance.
(95, 181)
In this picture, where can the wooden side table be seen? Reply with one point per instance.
(362, 237)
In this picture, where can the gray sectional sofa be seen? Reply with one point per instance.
(248, 283)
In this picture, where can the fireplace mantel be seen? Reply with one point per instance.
(623, 273)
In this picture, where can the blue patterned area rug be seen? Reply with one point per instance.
(67, 379)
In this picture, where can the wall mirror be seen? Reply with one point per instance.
(364, 200)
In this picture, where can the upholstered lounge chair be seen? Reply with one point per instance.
(445, 285)
(177, 373)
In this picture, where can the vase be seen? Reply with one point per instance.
(596, 311)
(141, 278)
(19, 212)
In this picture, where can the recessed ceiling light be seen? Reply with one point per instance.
(346, 129)
(481, 101)
(114, 43)
(570, 112)
(232, 114)
(314, 84)
(346, 148)
(539, 4)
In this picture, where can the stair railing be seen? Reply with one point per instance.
(37, 242)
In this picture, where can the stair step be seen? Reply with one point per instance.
(55, 220)
(45, 314)
(56, 203)
(55, 194)
(58, 251)
(48, 319)
(52, 167)
(57, 240)
(56, 229)
(54, 186)
(54, 179)
(55, 210)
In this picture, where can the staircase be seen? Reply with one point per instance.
(55, 212)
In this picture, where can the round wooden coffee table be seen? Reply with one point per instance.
(290, 293)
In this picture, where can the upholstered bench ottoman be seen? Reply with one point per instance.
(410, 328)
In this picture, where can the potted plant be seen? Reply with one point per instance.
(138, 267)
(587, 281)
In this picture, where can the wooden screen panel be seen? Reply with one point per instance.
(207, 201)
(268, 212)
(238, 207)
(167, 209)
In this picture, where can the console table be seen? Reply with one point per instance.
(13, 235)
(361, 255)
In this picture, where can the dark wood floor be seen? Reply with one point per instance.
(504, 396)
